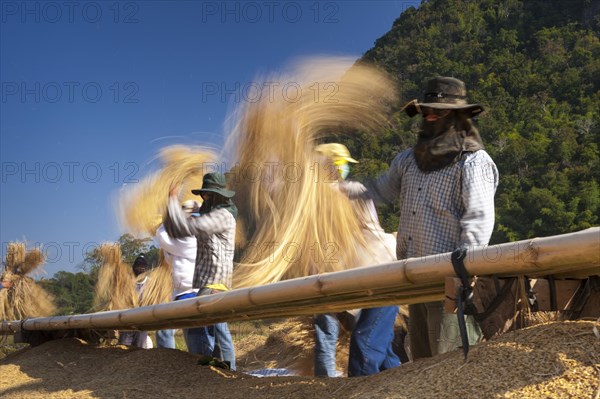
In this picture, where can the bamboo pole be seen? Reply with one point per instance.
(406, 281)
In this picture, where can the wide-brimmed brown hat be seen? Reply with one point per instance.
(444, 93)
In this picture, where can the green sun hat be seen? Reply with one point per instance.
(214, 183)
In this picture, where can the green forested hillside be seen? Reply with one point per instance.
(535, 66)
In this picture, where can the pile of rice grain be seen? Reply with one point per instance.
(552, 360)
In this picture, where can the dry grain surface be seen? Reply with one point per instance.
(552, 360)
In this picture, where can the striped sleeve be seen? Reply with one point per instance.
(214, 222)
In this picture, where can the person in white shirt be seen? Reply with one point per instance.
(180, 253)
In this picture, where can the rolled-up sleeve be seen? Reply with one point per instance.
(479, 183)
(386, 188)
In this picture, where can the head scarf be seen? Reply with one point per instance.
(442, 142)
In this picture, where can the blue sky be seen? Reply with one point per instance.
(91, 90)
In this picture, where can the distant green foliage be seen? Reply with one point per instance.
(535, 66)
(131, 248)
(74, 292)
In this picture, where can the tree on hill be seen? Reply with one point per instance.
(74, 292)
(535, 67)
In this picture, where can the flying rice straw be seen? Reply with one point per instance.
(24, 298)
(142, 205)
(298, 224)
(115, 288)
(159, 286)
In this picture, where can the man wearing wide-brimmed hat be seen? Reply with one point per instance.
(214, 230)
(445, 185)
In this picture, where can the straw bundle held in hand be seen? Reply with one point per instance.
(24, 298)
(142, 205)
(298, 223)
(158, 287)
(115, 288)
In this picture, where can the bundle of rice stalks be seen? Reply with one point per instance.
(24, 298)
(33, 259)
(27, 299)
(158, 287)
(115, 288)
(15, 256)
(297, 223)
(142, 206)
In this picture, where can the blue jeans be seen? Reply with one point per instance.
(214, 340)
(224, 344)
(165, 339)
(326, 336)
(371, 342)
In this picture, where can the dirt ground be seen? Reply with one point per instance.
(552, 360)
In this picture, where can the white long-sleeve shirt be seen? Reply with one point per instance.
(215, 235)
(181, 255)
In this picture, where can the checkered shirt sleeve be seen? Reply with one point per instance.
(479, 184)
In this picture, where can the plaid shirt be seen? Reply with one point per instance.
(440, 210)
(215, 234)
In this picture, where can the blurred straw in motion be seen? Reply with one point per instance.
(23, 298)
(158, 287)
(296, 222)
(142, 205)
(115, 288)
